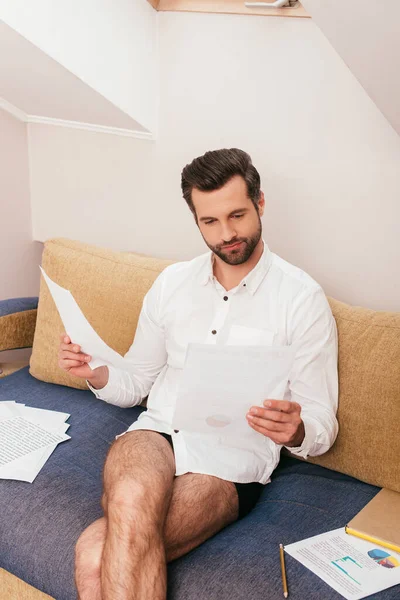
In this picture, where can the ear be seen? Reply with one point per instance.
(261, 204)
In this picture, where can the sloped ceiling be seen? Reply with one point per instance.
(39, 86)
(366, 34)
(118, 89)
(110, 47)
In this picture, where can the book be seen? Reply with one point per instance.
(379, 520)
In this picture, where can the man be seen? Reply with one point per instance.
(166, 491)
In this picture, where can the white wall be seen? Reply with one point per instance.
(367, 37)
(19, 255)
(110, 44)
(276, 88)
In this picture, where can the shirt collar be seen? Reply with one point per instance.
(252, 280)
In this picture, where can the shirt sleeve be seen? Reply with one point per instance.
(313, 380)
(146, 357)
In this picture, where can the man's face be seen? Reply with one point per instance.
(227, 217)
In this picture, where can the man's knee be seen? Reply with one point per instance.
(141, 456)
(136, 505)
(88, 551)
(126, 494)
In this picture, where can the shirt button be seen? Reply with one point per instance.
(214, 331)
(225, 297)
(244, 285)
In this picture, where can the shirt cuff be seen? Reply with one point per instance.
(110, 390)
(310, 438)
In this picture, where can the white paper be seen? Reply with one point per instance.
(27, 466)
(50, 419)
(9, 409)
(80, 331)
(20, 436)
(353, 567)
(219, 384)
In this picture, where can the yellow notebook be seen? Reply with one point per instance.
(379, 520)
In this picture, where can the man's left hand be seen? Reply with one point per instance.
(280, 421)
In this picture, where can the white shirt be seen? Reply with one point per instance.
(276, 304)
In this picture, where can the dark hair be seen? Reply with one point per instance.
(214, 169)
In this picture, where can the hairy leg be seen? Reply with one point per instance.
(201, 505)
(137, 481)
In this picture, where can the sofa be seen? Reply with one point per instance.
(41, 521)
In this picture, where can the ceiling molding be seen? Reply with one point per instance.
(13, 110)
(22, 116)
(142, 135)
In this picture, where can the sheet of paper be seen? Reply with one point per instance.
(79, 329)
(19, 436)
(353, 567)
(220, 383)
(8, 409)
(28, 467)
(50, 419)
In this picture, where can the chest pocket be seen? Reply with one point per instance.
(250, 336)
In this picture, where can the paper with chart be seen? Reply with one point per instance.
(28, 436)
(353, 567)
(220, 383)
(80, 331)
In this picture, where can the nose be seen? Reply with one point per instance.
(228, 233)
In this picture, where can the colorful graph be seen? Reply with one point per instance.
(348, 566)
(383, 558)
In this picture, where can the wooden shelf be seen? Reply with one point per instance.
(227, 7)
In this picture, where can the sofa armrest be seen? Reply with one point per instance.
(17, 323)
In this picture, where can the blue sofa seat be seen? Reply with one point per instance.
(41, 522)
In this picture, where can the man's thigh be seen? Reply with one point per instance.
(139, 462)
(200, 506)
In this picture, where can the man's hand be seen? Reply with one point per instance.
(280, 421)
(72, 360)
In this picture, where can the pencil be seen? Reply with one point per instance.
(284, 582)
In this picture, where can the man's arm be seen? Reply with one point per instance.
(307, 424)
(147, 355)
(314, 375)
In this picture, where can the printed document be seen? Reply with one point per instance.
(28, 436)
(219, 384)
(353, 567)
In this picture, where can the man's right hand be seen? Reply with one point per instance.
(72, 360)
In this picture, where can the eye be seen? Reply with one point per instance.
(209, 222)
(237, 216)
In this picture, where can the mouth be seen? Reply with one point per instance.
(233, 246)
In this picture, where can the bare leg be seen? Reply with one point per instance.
(138, 478)
(200, 506)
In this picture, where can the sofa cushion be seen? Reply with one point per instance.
(109, 287)
(42, 521)
(368, 444)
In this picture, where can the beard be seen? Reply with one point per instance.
(239, 255)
